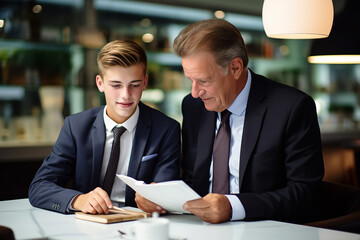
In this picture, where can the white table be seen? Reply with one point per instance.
(28, 222)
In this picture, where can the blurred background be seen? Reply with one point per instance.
(48, 51)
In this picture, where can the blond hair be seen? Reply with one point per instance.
(215, 36)
(124, 53)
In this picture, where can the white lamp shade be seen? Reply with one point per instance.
(298, 19)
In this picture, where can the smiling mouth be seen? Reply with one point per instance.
(125, 105)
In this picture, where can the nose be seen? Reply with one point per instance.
(196, 91)
(125, 93)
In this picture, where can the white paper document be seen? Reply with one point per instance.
(169, 195)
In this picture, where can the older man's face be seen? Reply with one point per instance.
(214, 85)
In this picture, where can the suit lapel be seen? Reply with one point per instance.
(204, 150)
(255, 112)
(140, 139)
(98, 136)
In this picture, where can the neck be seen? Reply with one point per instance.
(241, 82)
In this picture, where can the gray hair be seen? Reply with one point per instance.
(215, 36)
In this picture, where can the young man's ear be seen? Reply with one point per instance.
(99, 83)
(146, 81)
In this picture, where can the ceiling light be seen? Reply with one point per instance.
(148, 37)
(219, 14)
(343, 44)
(335, 59)
(297, 19)
(37, 8)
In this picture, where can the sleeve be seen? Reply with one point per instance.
(168, 165)
(189, 139)
(47, 189)
(302, 163)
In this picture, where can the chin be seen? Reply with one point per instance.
(209, 108)
(126, 113)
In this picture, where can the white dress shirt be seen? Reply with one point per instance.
(237, 117)
(126, 142)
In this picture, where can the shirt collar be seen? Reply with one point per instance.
(238, 107)
(129, 124)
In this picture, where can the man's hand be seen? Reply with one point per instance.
(213, 208)
(96, 201)
(147, 205)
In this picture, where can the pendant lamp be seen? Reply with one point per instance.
(297, 19)
(343, 44)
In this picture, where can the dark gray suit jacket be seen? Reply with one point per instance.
(78, 154)
(281, 155)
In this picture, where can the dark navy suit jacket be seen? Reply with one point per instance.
(78, 154)
(281, 155)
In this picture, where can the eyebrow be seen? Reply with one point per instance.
(133, 81)
(207, 78)
(199, 79)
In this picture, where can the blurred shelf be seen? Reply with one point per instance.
(163, 58)
(339, 137)
(19, 151)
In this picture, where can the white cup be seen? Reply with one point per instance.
(151, 229)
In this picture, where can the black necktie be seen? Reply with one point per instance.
(114, 159)
(221, 152)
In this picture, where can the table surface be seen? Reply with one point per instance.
(28, 222)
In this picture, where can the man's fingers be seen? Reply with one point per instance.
(104, 196)
(139, 202)
(96, 201)
(213, 208)
(146, 205)
(195, 204)
(100, 207)
(198, 207)
(100, 201)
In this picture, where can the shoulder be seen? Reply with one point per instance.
(189, 100)
(192, 106)
(84, 118)
(156, 116)
(277, 92)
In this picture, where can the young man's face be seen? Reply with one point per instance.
(123, 87)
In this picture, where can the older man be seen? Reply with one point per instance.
(251, 146)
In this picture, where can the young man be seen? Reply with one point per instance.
(272, 160)
(149, 142)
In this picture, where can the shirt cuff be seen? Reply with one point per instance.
(238, 210)
(70, 209)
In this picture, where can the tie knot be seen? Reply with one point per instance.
(225, 115)
(118, 131)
